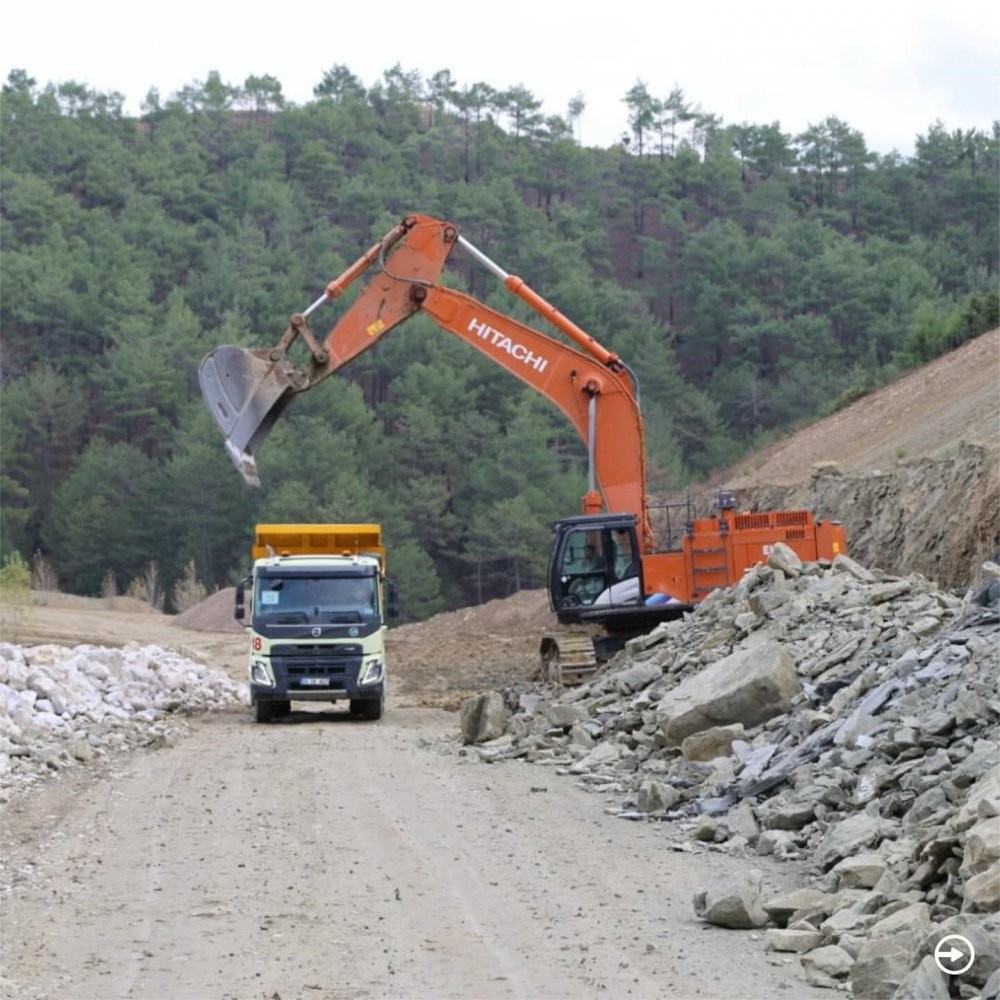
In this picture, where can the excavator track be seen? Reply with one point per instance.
(567, 658)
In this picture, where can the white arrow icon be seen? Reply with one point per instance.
(953, 955)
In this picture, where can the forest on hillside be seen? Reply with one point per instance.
(754, 280)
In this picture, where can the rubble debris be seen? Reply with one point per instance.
(824, 966)
(483, 717)
(60, 706)
(748, 686)
(826, 712)
(732, 901)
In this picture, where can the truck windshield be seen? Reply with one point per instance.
(315, 598)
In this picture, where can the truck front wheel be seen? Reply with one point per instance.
(368, 708)
(263, 711)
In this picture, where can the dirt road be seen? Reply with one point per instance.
(326, 858)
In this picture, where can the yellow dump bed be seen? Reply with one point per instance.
(319, 539)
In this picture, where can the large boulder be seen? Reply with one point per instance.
(712, 743)
(748, 686)
(883, 964)
(982, 801)
(982, 847)
(483, 717)
(828, 963)
(925, 982)
(732, 901)
(861, 871)
(848, 837)
(656, 796)
(981, 893)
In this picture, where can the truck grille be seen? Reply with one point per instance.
(295, 660)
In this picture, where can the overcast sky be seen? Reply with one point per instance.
(888, 68)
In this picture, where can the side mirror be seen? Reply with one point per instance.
(239, 611)
(392, 599)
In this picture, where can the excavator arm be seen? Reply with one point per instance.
(247, 390)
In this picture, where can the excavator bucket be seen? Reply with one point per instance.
(245, 391)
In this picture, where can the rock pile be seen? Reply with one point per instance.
(821, 712)
(60, 706)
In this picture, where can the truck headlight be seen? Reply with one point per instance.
(259, 673)
(372, 673)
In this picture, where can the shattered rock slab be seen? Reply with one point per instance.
(749, 686)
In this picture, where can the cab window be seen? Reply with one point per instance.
(624, 557)
(583, 570)
(583, 553)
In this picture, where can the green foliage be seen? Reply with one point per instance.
(189, 590)
(15, 597)
(99, 519)
(860, 382)
(751, 279)
(42, 430)
(419, 583)
(15, 577)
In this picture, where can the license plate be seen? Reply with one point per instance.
(315, 682)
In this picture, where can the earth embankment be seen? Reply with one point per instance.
(913, 470)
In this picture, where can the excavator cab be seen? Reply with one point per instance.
(594, 564)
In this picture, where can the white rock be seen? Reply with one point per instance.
(58, 704)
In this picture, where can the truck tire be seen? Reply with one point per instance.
(280, 709)
(369, 708)
(263, 711)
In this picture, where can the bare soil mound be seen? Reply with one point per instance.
(214, 614)
(444, 659)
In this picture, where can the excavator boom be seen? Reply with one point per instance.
(246, 390)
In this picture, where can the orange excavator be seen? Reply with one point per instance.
(608, 569)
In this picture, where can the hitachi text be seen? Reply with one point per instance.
(497, 338)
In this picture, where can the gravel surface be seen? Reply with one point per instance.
(331, 859)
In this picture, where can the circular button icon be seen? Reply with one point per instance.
(954, 955)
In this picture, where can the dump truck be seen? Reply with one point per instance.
(315, 605)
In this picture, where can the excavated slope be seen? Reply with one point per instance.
(912, 470)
